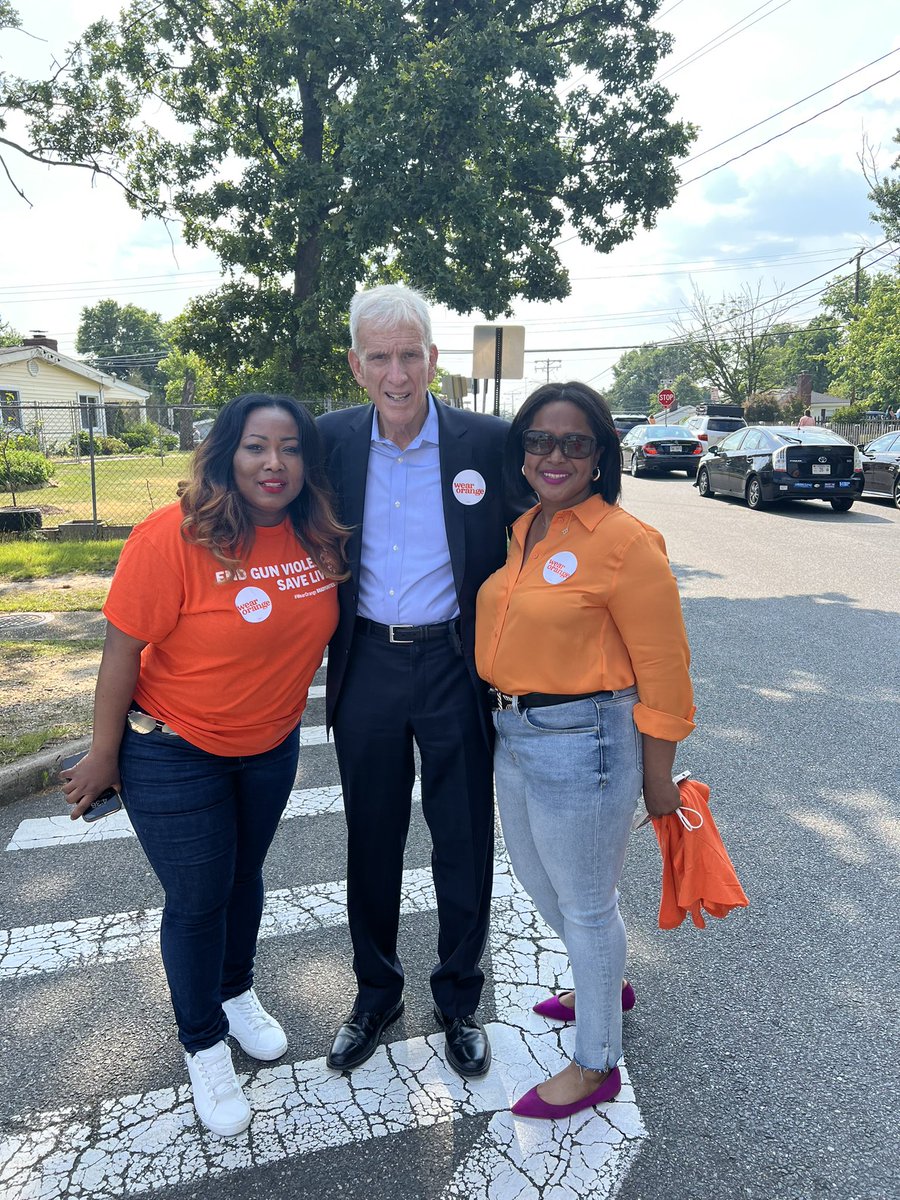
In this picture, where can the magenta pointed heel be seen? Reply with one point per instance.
(554, 1009)
(531, 1105)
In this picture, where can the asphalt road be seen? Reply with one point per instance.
(762, 1051)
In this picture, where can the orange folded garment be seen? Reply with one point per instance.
(697, 873)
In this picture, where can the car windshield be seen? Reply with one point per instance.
(810, 436)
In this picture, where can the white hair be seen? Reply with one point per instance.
(386, 307)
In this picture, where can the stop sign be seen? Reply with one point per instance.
(666, 397)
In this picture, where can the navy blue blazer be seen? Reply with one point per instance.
(476, 533)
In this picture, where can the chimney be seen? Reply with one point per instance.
(39, 338)
(804, 388)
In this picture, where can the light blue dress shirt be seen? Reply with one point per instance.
(405, 576)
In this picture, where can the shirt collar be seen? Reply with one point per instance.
(427, 435)
(589, 512)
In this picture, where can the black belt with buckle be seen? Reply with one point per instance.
(405, 635)
(501, 700)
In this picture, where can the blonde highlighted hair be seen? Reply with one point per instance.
(215, 515)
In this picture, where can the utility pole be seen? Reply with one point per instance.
(549, 364)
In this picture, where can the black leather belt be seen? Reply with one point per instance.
(405, 635)
(540, 699)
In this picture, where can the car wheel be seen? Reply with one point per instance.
(635, 470)
(842, 504)
(703, 485)
(897, 494)
(753, 493)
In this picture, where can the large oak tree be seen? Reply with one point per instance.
(315, 145)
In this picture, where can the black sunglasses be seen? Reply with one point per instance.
(573, 445)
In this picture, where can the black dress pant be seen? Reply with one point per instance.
(393, 695)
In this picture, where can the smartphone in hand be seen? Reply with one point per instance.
(109, 801)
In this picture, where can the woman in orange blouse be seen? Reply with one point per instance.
(581, 637)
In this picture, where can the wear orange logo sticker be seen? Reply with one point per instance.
(253, 604)
(560, 567)
(469, 487)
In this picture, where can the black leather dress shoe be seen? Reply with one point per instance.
(468, 1049)
(357, 1038)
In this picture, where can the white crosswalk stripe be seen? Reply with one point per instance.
(39, 833)
(142, 1143)
(122, 1145)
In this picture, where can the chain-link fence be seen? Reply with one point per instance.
(90, 470)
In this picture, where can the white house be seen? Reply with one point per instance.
(57, 396)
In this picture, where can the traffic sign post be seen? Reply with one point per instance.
(666, 397)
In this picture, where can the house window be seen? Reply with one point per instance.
(11, 410)
(91, 412)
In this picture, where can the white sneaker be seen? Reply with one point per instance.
(259, 1034)
(220, 1103)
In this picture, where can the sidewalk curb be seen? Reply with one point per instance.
(35, 772)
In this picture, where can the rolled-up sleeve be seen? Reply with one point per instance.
(646, 608)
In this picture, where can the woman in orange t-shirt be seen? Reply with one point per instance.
(218, 617)
(581, 637)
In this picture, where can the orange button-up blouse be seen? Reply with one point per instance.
(594, 608)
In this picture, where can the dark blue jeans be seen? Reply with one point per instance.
(206, 823)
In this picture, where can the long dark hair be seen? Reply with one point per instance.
(598, 416)
(215, 515)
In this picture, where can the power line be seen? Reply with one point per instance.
(715, 43)
(776, 136)
(788, 108)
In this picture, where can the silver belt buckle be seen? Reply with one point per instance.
(504, 702)
(395, 641)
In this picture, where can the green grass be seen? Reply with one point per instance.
(54, 600)
(128, 489)
(20, 561)
(11, 651)
(12, 748)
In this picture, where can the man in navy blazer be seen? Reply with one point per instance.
(420, 485)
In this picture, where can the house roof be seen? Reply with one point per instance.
(13, 354)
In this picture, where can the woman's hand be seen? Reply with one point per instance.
(84, 782)
(661, 795)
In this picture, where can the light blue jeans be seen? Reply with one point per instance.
(568, 781)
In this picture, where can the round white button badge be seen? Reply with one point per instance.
(469, 487)
(253, 604)
(560, 567)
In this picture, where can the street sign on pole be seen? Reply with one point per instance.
(666, 397)
(498, 352)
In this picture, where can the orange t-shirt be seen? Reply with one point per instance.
(230, 655)
(594, 608)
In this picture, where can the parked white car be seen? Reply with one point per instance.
(711, 430)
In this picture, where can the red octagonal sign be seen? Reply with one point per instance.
(666, 397)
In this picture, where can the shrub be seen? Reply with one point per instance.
(23, 469)
(24, 441)
(147, 435)
(103, 444)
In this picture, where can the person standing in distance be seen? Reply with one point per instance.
(420, 485)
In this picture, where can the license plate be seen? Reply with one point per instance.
(821, 469)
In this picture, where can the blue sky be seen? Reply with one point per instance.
(778, 216)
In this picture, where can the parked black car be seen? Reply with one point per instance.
(765, 463)
(660, 448)
(881, 466)
(625, 421)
